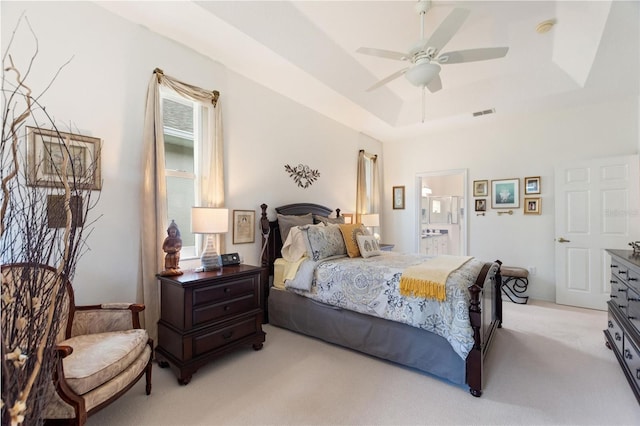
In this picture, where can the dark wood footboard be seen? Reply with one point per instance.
(485, 314)
(485, 310)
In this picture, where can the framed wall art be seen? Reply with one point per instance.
(481, 205)
(398, 197)
(532, 205)
(505, 193)
(532, 185)
(49, 150)
(244, 226)
(480, 188)
(348, 217)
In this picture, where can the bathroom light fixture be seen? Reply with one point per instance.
(209, 221)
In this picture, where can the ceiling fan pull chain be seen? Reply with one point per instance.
(423, 103)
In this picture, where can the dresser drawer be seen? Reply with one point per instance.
(633, 280)
(619, 293)
(633, 308)
(215, 311)
(631, 357)
(211, 340)
(615, 331)
(225, 291)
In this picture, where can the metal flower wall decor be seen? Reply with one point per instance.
(303, 175)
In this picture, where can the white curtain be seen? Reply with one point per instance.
(367, 187)
(154, 190)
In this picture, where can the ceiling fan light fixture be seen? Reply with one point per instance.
(421, 74)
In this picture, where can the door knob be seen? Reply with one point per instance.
(562, 240)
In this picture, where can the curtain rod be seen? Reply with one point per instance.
(374, 156)
(214, 93)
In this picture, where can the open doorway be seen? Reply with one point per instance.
(442, 224)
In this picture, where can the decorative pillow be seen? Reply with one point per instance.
(325, 241)
(327, 220)
(297, 243)
(368, 245)
(349, 233)
(286, 222)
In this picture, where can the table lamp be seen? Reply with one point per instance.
(371, 221)
(209, 221)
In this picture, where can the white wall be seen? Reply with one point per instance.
(102, 92)
(498, 147)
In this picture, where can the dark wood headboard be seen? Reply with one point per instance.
(271, 239)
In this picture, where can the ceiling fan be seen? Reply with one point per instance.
(425, 56)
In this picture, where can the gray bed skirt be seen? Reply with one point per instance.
(393, 341)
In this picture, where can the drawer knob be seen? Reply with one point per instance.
(613, 281)
(613, 266)
(631, 318)
(627, 354)
(613, 296)
(622, 290)
(610, 324)
(633, 279)
(633, 299)
(226, 308)
(638, 373)
(622, 272)
(227, 290)
(227, 335)
(618, 336)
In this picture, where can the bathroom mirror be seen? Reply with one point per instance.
(439, 209)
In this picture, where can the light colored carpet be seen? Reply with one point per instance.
(548, 365)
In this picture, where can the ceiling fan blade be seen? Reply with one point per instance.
(435, 84)
(472, 55)
(447, 29)
(387, 79)
(388, 54)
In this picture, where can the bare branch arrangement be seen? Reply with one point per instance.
(32, 303)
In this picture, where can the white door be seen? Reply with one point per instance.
(597, 207)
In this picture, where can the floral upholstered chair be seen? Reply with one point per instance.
(103, 353)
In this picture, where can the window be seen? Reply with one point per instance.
(184, 130)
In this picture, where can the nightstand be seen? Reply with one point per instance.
(204, 315)
(387, 247)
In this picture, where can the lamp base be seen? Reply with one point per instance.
(210, 259)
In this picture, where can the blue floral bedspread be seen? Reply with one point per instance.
(371, 286)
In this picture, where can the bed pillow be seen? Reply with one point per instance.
(368, 245)
(327, 220)
(297, 244)
(349, 233)
(286, 222)
(324, 241)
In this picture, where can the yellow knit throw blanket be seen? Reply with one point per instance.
(428, 279)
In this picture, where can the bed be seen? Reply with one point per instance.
(392, 340)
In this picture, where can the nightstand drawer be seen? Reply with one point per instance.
(226, 291)
(218, 338)
(223, 309)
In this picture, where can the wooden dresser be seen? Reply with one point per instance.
(622, 333)
(204, 315)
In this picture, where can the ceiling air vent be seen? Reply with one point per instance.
(485, 112)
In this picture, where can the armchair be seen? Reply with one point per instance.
(102, 352)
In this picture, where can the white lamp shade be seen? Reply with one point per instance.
(209, 220)
(370, 219)
(422, 74)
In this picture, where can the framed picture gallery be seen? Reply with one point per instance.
(505, 193)
(532, 205)
(480, 188)
(532, 185)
